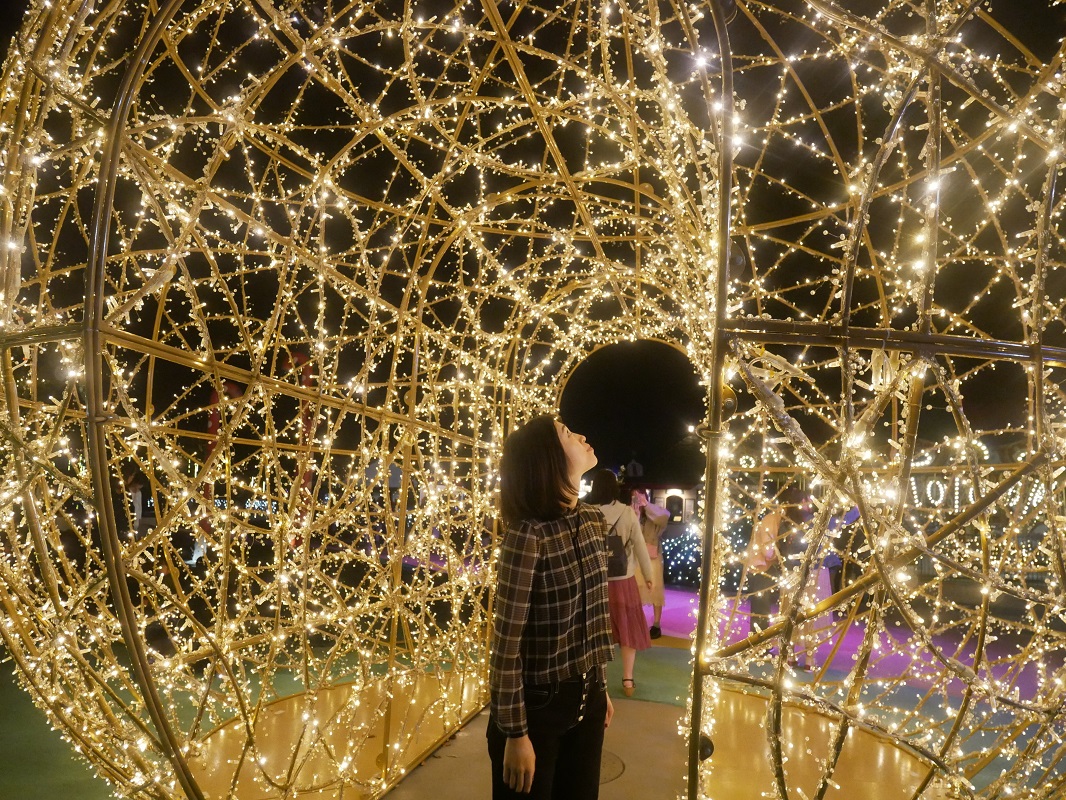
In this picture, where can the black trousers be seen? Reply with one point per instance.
(565, 723)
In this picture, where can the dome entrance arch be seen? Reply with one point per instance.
(639, 401)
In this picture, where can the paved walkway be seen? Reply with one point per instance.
(644, 759)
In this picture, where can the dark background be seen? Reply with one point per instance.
(10, 17)
(638, 400)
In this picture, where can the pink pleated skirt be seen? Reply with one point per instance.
(628, 625)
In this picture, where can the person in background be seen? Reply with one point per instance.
(133, 483)
(846, 530)
(634, 469)
(779, 542)
(551, 636)
(628, 626)
(798, 510)
(762, 567)
(832, 562)
(653, 521)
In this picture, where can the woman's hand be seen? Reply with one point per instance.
(610, 710)
(519, 761)
(648, 584)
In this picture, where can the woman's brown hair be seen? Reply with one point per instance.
(605, 489)
(534, 473)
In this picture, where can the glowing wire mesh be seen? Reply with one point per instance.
(302, 264)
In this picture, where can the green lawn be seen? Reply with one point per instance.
(34, 760)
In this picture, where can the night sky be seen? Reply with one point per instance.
(639, 399)
(10, 17)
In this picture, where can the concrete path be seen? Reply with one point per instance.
(644, 757)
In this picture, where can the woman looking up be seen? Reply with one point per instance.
(552, 632)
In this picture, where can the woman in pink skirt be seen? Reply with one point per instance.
(628, 625)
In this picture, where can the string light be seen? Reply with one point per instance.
(345, 247)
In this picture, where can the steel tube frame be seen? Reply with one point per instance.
(711, 431)
(98, 417)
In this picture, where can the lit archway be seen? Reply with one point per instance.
(303, 264)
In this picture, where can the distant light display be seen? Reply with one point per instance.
(682, 556)
(289, 271)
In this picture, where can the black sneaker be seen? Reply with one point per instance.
(655, 632)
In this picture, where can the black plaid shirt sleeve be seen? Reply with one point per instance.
(516, 567)
(552, 619)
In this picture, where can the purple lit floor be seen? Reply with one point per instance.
(1018, 667)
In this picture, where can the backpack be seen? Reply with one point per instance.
(617, 559)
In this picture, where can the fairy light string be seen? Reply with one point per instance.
(351, 244)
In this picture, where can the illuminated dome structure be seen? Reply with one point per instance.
(288, 272)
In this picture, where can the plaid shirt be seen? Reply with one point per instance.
(552, 618)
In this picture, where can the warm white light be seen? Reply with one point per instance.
(346, 254)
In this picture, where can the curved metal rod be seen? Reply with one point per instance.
(98, 416)
(1039, 281)
(713, 429)
(826, 334)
